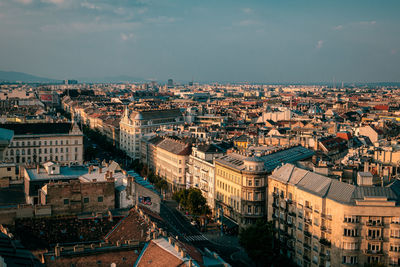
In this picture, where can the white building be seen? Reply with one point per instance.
(201, 170)
(42, 142)
(134, 124)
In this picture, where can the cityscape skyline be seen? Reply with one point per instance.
(224, 41)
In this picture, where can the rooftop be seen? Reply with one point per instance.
(72, 172)
(38, 128)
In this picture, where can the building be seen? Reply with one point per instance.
(134, 124)
(8, 174)
(241, 182)
(171, 158)
(36, 178)
(42, 142)
(324, 222)
(76, 196)
(200, 170)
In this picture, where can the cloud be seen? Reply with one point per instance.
(55, 2)
(372, 22)
(393, 52)
(162, 20)
(319, 44)
(248, 22)
(90, 6)
(24, 2)
(247, 10)
(338, 27)
(127, 36)
(89, 27)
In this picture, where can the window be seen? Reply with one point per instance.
(351, 219)
(395, 233)
(350, 259)
(300, 226)
(249, 209)
(8, 169)
(100, 199)
(349, 245)
(86, 200)
(350, 232)
(66, 201)
(250, 183)
(257, 182)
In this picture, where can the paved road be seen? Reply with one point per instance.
(182, 228)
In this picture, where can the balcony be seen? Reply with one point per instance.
(375, 238)
(374, 224)
(307, 246)
(373, 252)
(306, 258)
(275, 195)
(307, 233)
(395, 225)
(325, 242)
(325, 256)
(326, 229)
(289, 201)
(308, 208)
(327, 217)
(308, 221)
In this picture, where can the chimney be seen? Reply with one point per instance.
(90, 170)
(170, 240)
(155, 236)
(100, 169)
(57, 251)
(177, 248)
(190, 263)
(183, 254)
(38, 168)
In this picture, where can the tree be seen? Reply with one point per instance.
(193, 200)
(258, 241)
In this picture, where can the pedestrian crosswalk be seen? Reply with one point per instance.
(195, 238)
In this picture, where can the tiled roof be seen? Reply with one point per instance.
(175, 147)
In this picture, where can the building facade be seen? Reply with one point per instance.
(41, 142)
(240, 184)
(201, 170)
(134, 124)
(324, 222)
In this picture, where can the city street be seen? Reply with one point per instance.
(188, 233)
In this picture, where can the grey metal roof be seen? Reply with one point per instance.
(332, 189)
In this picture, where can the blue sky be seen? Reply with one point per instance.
(218, 40)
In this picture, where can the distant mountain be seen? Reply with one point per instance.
(112, 79)
(13, 76)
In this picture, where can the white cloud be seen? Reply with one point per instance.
(89, 27)
(55, 2)
(372, 22)
(24, 2)
(127, 36)
(247, 10)
(248, 22)
(338, 27)
(319, 44)
(90, 6)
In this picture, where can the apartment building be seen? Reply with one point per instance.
(200, 170)
(42, 142)
(324, 222)
(241, 182)
(171, 158)
(134, 124)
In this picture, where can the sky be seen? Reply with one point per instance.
(217, 40)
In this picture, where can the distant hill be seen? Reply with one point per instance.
(13, 76)
(112, 79)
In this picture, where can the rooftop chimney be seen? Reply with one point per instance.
(38, 168)
(100, 169)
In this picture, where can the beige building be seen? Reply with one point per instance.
(41, 142)
(240, 184)
(324, 222)
(134, 124)
(8, 174)
(170, 163)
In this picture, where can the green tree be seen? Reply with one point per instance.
(258, 242)
(192, 200)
